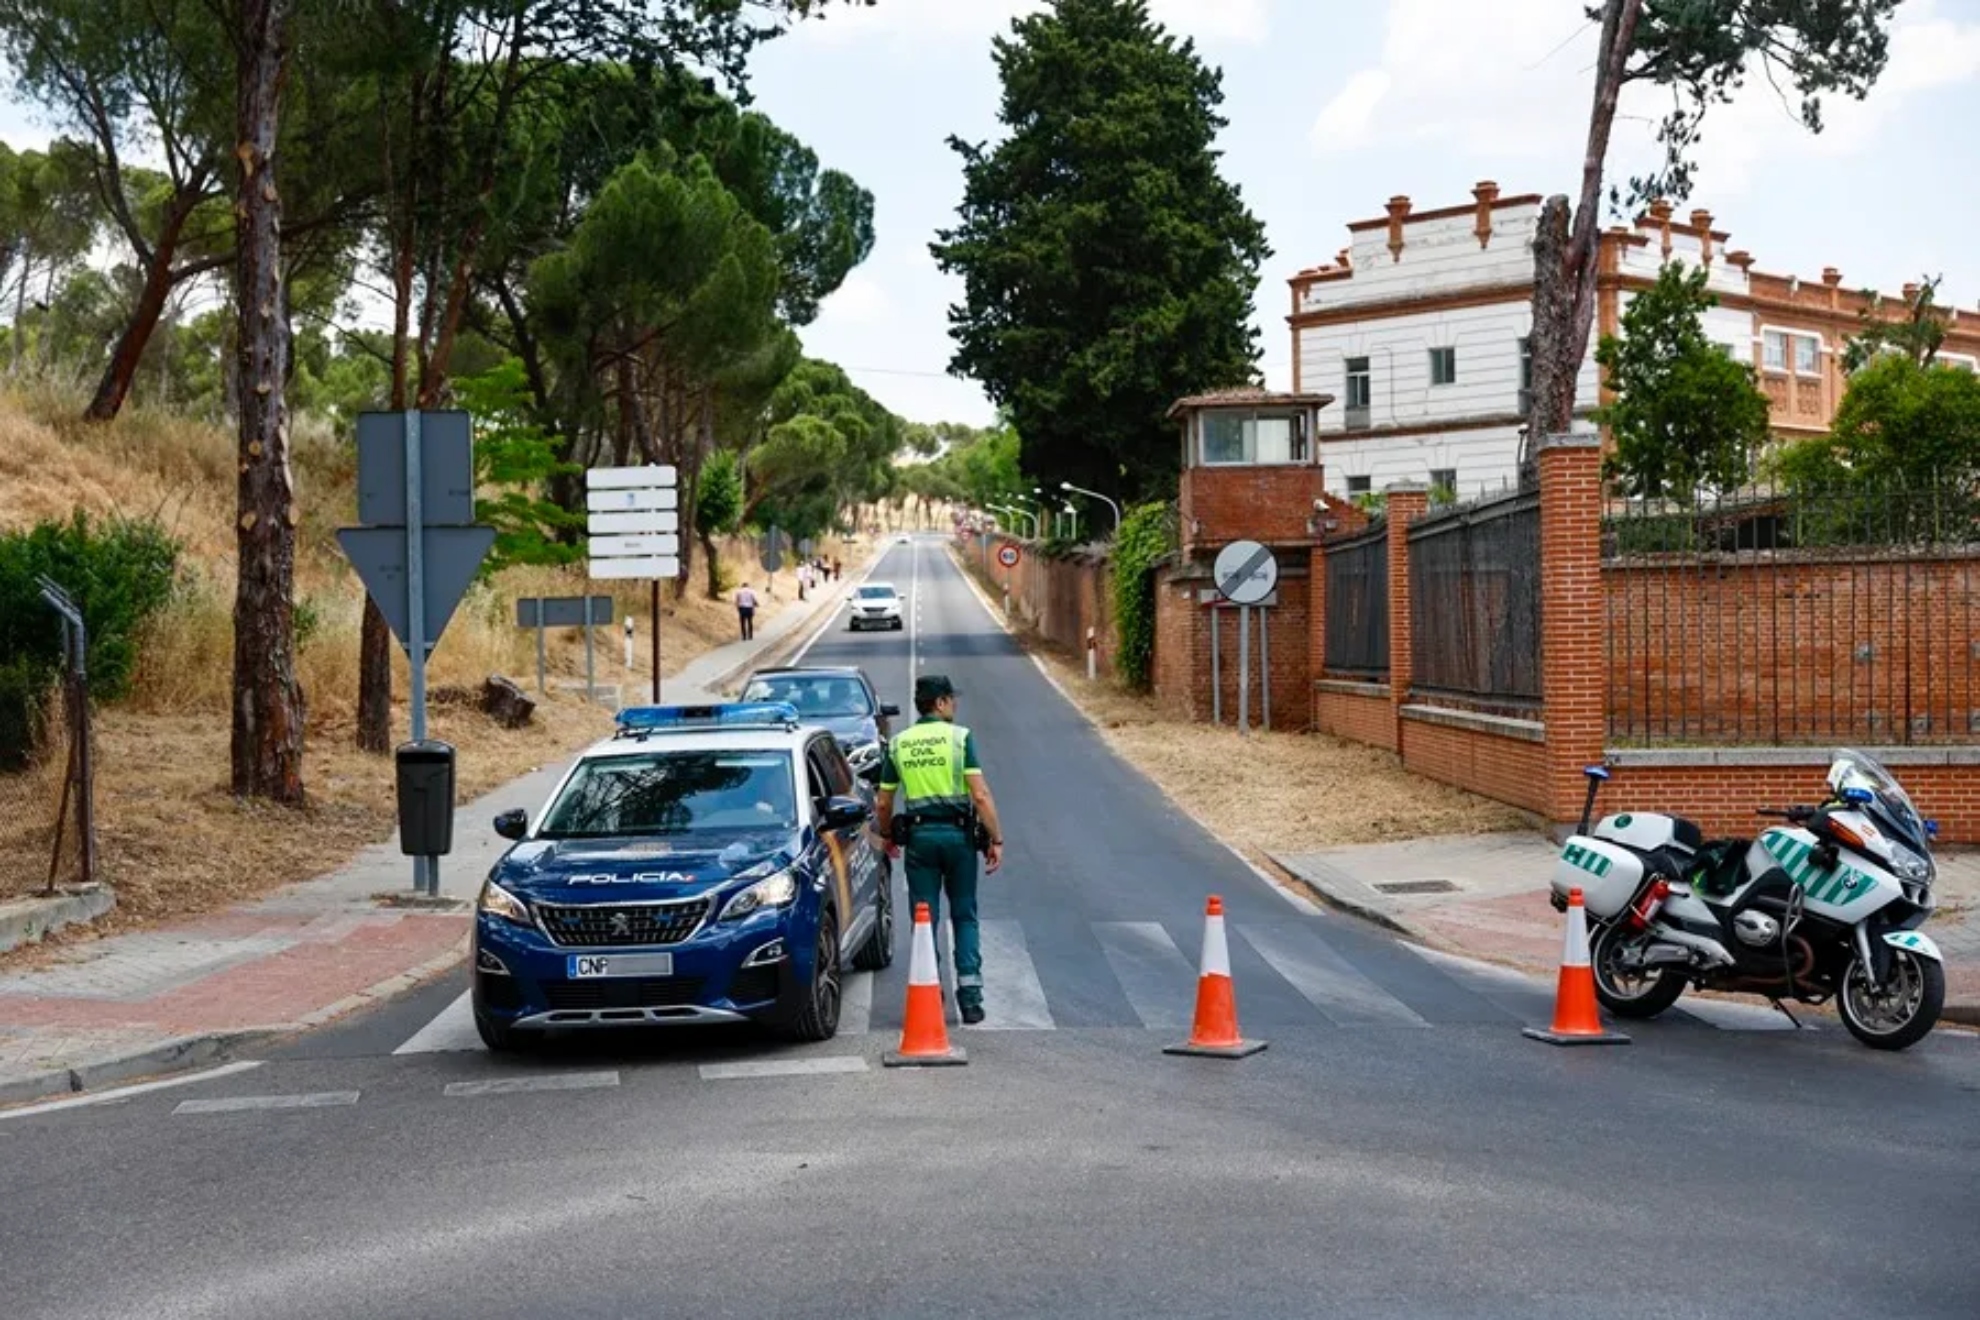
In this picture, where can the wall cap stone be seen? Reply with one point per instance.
(1407, 488)
(1761, 757)
(1346, 687)
(1533, 731)
(1572, 440)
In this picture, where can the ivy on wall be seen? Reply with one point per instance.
(1147, 537)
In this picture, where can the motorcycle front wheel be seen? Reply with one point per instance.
(1898, 1014)
(1626, 991)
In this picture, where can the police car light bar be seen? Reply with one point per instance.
(728, 715)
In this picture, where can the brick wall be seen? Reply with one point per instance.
(1722, 798)
(1365, 716)
(1183, 637)
(1508, 769)
(1793, 648)
(1059, 598)
(1219, 505)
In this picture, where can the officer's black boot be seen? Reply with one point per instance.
(972, 1011)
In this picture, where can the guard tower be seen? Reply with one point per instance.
(1250, 467)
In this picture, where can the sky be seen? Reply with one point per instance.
(1334, 106)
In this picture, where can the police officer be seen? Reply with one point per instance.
(945, 817)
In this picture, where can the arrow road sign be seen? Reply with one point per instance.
(632, 524)
(451, 556)
(1245, 572)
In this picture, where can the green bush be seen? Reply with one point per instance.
(1146, 538)
(119, 572)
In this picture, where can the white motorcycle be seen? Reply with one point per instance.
(1826, 904)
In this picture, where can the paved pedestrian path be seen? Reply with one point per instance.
(1486, 896)
(306, 954)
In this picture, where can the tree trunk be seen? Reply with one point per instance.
(159, 278)
(268, 701)
(20, 304)
(710, 558)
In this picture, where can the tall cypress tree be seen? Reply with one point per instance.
(1108, 267)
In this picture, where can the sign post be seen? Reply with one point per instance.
(419, 548)
(632, 529)
(545, 612)
(1246, 575)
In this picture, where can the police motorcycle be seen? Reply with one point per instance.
(1826, 904)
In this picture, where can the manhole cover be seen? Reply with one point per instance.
(1417, 887)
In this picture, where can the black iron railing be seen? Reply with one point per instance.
(1474, 581)
(1358, 606)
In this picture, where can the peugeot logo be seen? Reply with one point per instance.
(621, 925)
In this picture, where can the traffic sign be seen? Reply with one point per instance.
(650, 566)
(805, 547)
(635, 523)
(608, 501)
(632, 524)
(633, 547)
(1245, 572)
(647, 476)
(446, 469)
(772, 557)
(561, 611)
(1008, 555)
(450, 557)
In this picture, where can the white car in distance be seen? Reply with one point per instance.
(875, 605)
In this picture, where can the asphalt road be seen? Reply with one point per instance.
(1398, 1151)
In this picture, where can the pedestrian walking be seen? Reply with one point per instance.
(804, 579)
(945, 817)
(835, 570)
(746, 611)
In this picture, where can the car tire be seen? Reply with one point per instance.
(877, 954)
(498, 1037)
(898, 625)
(817, 1016)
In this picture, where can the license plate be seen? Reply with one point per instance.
(583, 966)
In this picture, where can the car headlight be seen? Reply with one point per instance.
(499, 902)
(780, 890)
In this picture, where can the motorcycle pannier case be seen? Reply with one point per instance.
(1607, 876)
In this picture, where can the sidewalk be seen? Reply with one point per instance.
(184, 995)
(1486, 896)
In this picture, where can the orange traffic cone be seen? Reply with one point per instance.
(1216, 1030)
(1577, 1019)
(925, 1033)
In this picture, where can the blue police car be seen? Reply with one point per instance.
(704, 864)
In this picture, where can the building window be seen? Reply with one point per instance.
(1525, 376)
(1360, 393)
(1443, 366)
(1360, 485)
(1958, 362)
(1443, 482)
(1251, 438)
(1778, 345)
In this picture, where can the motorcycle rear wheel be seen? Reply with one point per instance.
(1906, 1010)
(1626, 992)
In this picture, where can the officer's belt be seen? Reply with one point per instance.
(940, 815)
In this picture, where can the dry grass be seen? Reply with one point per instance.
(171, 838)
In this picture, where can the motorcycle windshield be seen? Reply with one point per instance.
(1856, 770)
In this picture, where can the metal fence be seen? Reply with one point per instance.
(1357, 605)
(1792, 616)
(1474, 586)
(47, 818)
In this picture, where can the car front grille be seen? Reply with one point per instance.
(604, 925)
(622, 992)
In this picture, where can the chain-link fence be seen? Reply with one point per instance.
(47, 827)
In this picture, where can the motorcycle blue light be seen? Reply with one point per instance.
(730, 715)
(1858, 795)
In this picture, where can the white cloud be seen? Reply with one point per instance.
(1512, 80)
(861, 301)
(913, 21)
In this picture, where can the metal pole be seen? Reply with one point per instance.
(1265, 665)
(590, 670)
(1216, 665)
(540, 688)
(656, 641)
(1244, 670)
(426, 878)
(629, 643)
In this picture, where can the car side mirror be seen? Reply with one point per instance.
(842, 813)
(512, 824)
(890, 712)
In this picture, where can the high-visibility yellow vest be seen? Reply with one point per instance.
(930, 760)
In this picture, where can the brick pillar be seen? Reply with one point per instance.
(1406, 502)
(1573, 678)
(1316, 615)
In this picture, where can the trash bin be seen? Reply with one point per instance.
(426, 798)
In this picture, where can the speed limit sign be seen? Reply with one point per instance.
(1008, 556)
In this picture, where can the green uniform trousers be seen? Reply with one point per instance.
(939, 858)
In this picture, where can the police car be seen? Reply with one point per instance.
(704, 864)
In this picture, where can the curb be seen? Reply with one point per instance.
(31, 919)
(1966, 1014)
(184, 1053)
(1334, 892)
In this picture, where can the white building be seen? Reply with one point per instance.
(1419, 328)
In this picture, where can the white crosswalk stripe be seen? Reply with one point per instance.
(1155, 974)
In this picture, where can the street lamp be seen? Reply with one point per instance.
(1035, 525)
(1072, 515)
(1067, 485)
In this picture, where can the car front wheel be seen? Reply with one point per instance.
(818, 1014)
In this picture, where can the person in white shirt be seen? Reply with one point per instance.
(746, 611)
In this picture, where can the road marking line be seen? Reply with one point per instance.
(729, 1072)
(232, 1103)
(451, 1030)
(1159, 982)
(582, 1081)
(856, 1008)
(1328, 981)
(126, 1092)
(1012, 993)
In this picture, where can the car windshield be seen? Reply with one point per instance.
(876, 593)
(1855, 770)
(682, 792)
(823, 695)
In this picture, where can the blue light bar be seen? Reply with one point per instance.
(728, 715)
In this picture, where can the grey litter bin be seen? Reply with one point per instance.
(426, 798)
